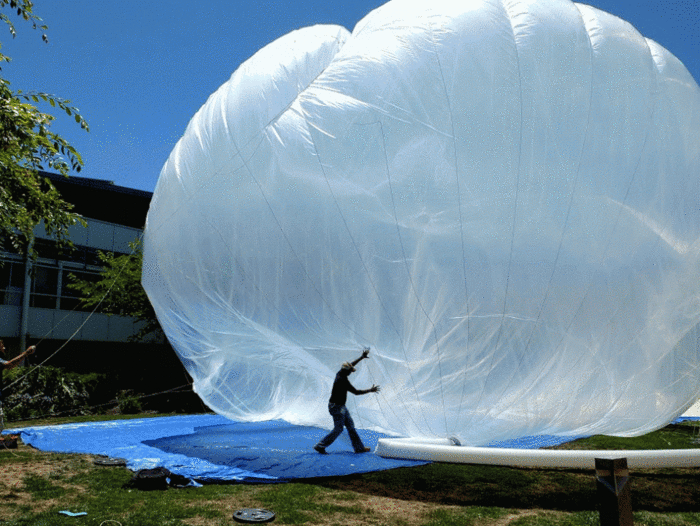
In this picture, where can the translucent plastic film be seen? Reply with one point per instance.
(500, 198)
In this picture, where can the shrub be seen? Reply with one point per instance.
(129, 403)
(48, 390)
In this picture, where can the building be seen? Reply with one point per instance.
(35, 301)
(37, 307)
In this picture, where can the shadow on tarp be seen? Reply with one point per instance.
(277, 449)
(211, 448)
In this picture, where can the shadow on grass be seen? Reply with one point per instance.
(676, 490)
(662, 490)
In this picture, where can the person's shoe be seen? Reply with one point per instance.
(363, 450)
(320, 450)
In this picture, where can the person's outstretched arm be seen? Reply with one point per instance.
(373, 389)
(365, 354)
(18, 359)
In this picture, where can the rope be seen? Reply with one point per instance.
(410, 278)
(461, 220)
(294, 252)
(109, 290)
(512, 232)
(607, 245)
(559, 247)
(376, 293)
(111, 402)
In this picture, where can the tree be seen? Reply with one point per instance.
(27, 145)
(119, 291)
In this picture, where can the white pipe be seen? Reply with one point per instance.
(444, 451)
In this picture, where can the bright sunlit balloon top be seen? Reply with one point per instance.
(500, 198)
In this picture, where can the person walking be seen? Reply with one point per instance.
(336, 407)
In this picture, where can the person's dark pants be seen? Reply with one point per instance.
(341, 418)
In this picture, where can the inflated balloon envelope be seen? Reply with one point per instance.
(500, 198)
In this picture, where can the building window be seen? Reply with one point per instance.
(44, 287)
(46, 248)
(11, 282)
(49, 289)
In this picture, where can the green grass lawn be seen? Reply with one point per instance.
(35, 486)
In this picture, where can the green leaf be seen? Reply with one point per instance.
(28, 145)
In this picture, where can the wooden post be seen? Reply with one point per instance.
(614, 500)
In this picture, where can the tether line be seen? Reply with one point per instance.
(410, 277)
(561, 238)
(61, 347)
(372, 283)
(515, 215)
(461, 220)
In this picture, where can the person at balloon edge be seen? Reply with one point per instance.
(336, 407)
(10, 364)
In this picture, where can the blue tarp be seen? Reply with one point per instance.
(210, 448)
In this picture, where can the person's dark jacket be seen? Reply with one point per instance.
(341, 386)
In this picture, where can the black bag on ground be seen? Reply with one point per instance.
(150, 479)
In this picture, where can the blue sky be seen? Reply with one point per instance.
(139, 71)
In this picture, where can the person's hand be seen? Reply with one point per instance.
(30, 350)
(365, 352)
(374, 389)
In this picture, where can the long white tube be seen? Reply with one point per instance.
(445, 451)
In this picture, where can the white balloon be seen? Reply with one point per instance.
(499, 197)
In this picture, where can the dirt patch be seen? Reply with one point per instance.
(387, 510)
(376, 510)
(504, 521)
(13, 494)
